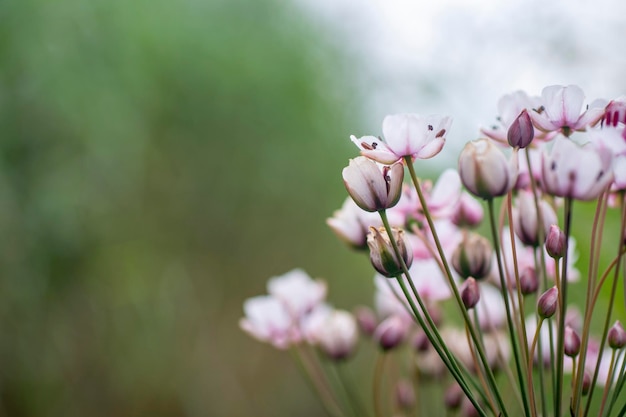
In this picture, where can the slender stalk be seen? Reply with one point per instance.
(618, 385)
(479, 372)
(607, 386)
(316, 383)
(377, 383)
(509, 318)
(562, 309)
(454, 288)
(541, 237)
(609, 313)
(431, 331)
(346, 393)
(531, 356)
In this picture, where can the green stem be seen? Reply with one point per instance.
(609, 313)
(562, 309)
(509, 318)
(455, 291)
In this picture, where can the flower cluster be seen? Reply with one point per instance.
(475, 312)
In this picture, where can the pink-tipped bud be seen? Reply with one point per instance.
(382, 254)
(547, 303)
(405, 395)
(528, 281)
(391, 332)
(521, 132)
(556, 242)
(473, 256)
(470, 293)
(421, 342)
(617, 336)
(571, 342)
(468, 211)
(468, 409)
(586, 383)
(485, 171)
(453, 397)
(366, 319)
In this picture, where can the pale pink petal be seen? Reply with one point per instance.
(375, 149)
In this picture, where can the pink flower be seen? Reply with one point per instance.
(351, 224)
(509, 108)
(371, 187)
(268, 320)
(562, 110)
(411, 135)
(579, 172)
(297, 291)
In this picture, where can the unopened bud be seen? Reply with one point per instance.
(571, 342)
(547, 303)
(470, 293)
(586, 383)
(485, 171)
(453, 397)
(521, 132)
(420, 341)
(528, 281)
(366, 319)
(468, 409)
(468, 211)
(473, 256)
(617, 336)
(382, 254)
(373, 188)
(405, 395)
(391, 332)
(556, 242)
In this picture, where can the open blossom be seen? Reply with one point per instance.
(579, 172)
(561, 110)
(509, 108)
(410, 135)
(373, 188)
(297, 291)
(268, 320)
(351, 224)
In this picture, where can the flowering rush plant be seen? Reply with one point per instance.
(486, 319)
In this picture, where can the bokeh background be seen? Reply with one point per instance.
(160, 160)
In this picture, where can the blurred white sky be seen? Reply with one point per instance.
(459, 56)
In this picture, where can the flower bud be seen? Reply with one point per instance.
(547, 303)
(526, 218)
(586, 383)
(468, 212)
(521, 132)
(366, 319)
(485, 170)
(470, 293)
(391, 332)
(473, 256)
(383, 256)
(421, 342)
(453, 397)
(405, 395)
(338, 336)
(373, 188)
(528, 281)
(617, 336)
(571, 342)
(555, 242)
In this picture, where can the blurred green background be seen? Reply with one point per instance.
(159, 161)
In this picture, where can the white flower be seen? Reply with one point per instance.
(268, 320)
(297, 291)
